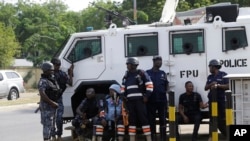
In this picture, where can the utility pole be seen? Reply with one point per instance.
(135, 12)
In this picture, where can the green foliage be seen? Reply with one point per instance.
(8, 45)
(38, 30)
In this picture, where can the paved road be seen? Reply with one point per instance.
(20, 123)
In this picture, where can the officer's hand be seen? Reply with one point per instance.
(205, 105)
(213, 85)
(54, 104)
(185, 119)
(85, 121)
(145, 99)
(104, 122)
(70, 70)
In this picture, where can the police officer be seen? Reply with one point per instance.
(87, 112)
(158, 100)
(48, 90)
(63, 80)
(109, 124)
(136, 88)
(217, 81)
(189, 107)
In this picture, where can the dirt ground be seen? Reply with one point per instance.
(30, 96)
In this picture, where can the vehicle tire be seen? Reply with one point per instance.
(13, 94)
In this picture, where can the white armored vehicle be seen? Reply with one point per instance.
(185, 44)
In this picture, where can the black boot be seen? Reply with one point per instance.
(153, 137)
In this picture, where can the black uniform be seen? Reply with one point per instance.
(191, 104)
(89, 107)
(133, 85)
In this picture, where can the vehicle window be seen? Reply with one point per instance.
(187, 42)
(234, 38)
(86, 48)
(11, 75)
(141, 44)
(1, 76)
(15, 75)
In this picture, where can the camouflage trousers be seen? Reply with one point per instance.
(47, 119)
(58, 128)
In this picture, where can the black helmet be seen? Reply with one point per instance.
(56, 61)
(133, 61)
(157, 58)
(47, 66)
(215, 63)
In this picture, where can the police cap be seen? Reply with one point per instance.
(47, 66)
(215, 62)
(132, 60)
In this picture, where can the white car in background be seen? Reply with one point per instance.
(11, 84)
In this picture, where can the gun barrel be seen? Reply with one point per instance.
(115, 14)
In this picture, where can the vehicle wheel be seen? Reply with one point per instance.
(13, 94)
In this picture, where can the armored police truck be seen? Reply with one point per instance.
(186, 45)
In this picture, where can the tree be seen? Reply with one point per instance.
(8, 45)
(42, 29)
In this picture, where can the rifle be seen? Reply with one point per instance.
(114, 13)
(124, 114)
(38, 108)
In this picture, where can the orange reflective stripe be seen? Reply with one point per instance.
(146, 130)
(149, 86)
(123, 88)
(121, 129)
(132, 130)
(99, 129)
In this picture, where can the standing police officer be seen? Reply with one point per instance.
(136, 88)
(48, 90)
(217, 81)
(158, 100)
(62, 79)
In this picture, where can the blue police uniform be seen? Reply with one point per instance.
(133, 85)
(220, 99)
(62, 80)
(110, 116)
(47, 111)
(158, 102)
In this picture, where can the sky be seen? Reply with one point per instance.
(75, 5)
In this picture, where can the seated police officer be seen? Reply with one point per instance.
(190, 104)
(87, 111)
(109, 125)
(49, 94)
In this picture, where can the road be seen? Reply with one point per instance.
(20, 123)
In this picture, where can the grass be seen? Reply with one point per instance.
(25, 98)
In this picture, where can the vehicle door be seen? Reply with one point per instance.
(188, 59)
(87, 53)
(3, 85)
